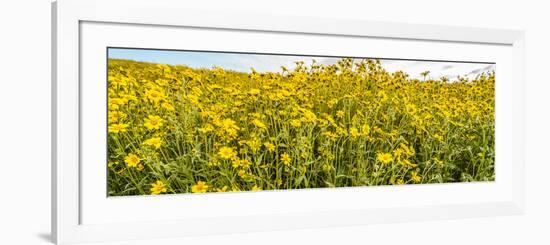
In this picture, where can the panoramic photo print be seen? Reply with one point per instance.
(200, 122)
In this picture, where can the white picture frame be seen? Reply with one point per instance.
(69, 197)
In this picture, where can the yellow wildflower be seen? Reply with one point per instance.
(118, 127)
(155, 141)
(168, 106)
(408, 163)
(269, 146)
(227, 152)
(241, 173)
(295, 123)
(153, 122)
(158, 187)
(154, 95)
(132, 160)
(340, 114)
(230, 127)
(258, 123)
(384, 157)
(200, 187)
(254, 91)
(332, 102)
(206, 128)
(365, 130)
(354, 132)
(285, 158)
(309, 116)
(115, 116)
(415, 177)
(254, 144)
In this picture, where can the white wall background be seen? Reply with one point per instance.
(25, 122)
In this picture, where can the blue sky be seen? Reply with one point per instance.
(264, 63)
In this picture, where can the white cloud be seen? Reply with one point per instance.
(273, 63)
(450, 70)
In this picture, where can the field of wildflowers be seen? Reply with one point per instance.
(175, 129)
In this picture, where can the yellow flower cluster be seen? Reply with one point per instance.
(174, 129)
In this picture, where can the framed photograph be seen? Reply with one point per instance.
(169, 125)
